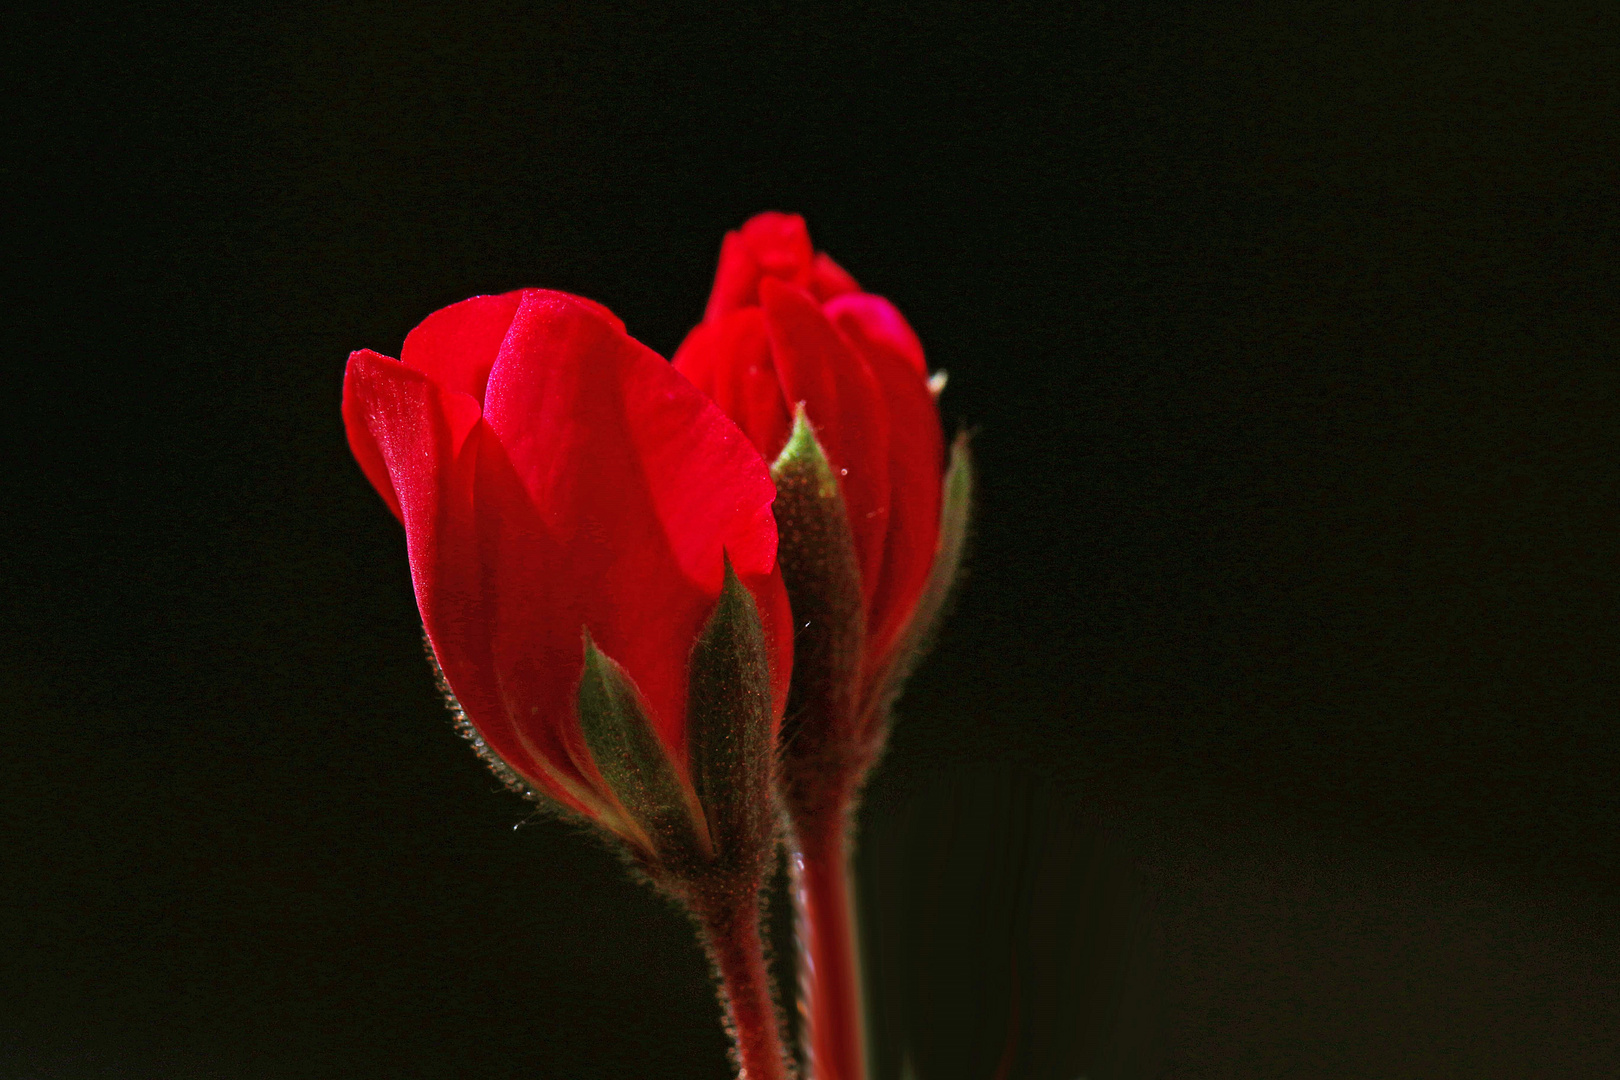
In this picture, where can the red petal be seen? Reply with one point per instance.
(781, 245)
(768, 245)
(729, 359)
(776, 618)
(736, 281)
(428, 440)
(828, 279)
(405, 430)
(875, 319)
(640, 482)
(697, 359)
(357, 424)
(456, 346)
(845, 403)
(916, 464)
(528, 616)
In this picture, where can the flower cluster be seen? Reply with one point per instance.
(676, 600)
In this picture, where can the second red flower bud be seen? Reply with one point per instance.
(831, 385)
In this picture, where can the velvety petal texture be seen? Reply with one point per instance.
(554, 477)
(786, 326)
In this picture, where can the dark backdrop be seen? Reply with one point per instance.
(1288, 334)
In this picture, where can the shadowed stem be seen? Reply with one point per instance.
(829, 954)
(731, 932)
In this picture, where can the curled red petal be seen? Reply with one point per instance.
(407, 432)
(428, 439)
(916, 471)
(874, 319)
(845, 404)
(768, 245)
(828, 279)
(781, 245)
(357, 425)
(457, 345)
(736, 280)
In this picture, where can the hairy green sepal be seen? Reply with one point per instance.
(824, 750)
(729, 731)
(634, 762)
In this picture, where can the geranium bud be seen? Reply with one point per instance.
(580, 521)
(801, 358)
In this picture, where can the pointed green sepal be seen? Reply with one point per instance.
(956, 510)
(729, 730)
(635, 764)
(803, 460)
(816, 550)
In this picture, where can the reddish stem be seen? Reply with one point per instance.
(829, 956)
(731, 930)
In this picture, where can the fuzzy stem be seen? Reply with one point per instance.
(731, 933)
(829, 955)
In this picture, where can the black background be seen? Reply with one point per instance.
(1288, 334)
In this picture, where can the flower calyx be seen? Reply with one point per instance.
(824, 747)
(711, 820)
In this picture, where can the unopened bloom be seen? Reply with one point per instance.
(831, 385)
(593, 552)
(787, 332)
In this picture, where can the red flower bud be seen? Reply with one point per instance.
(830, 384)
(574, 510)
(787, 328)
